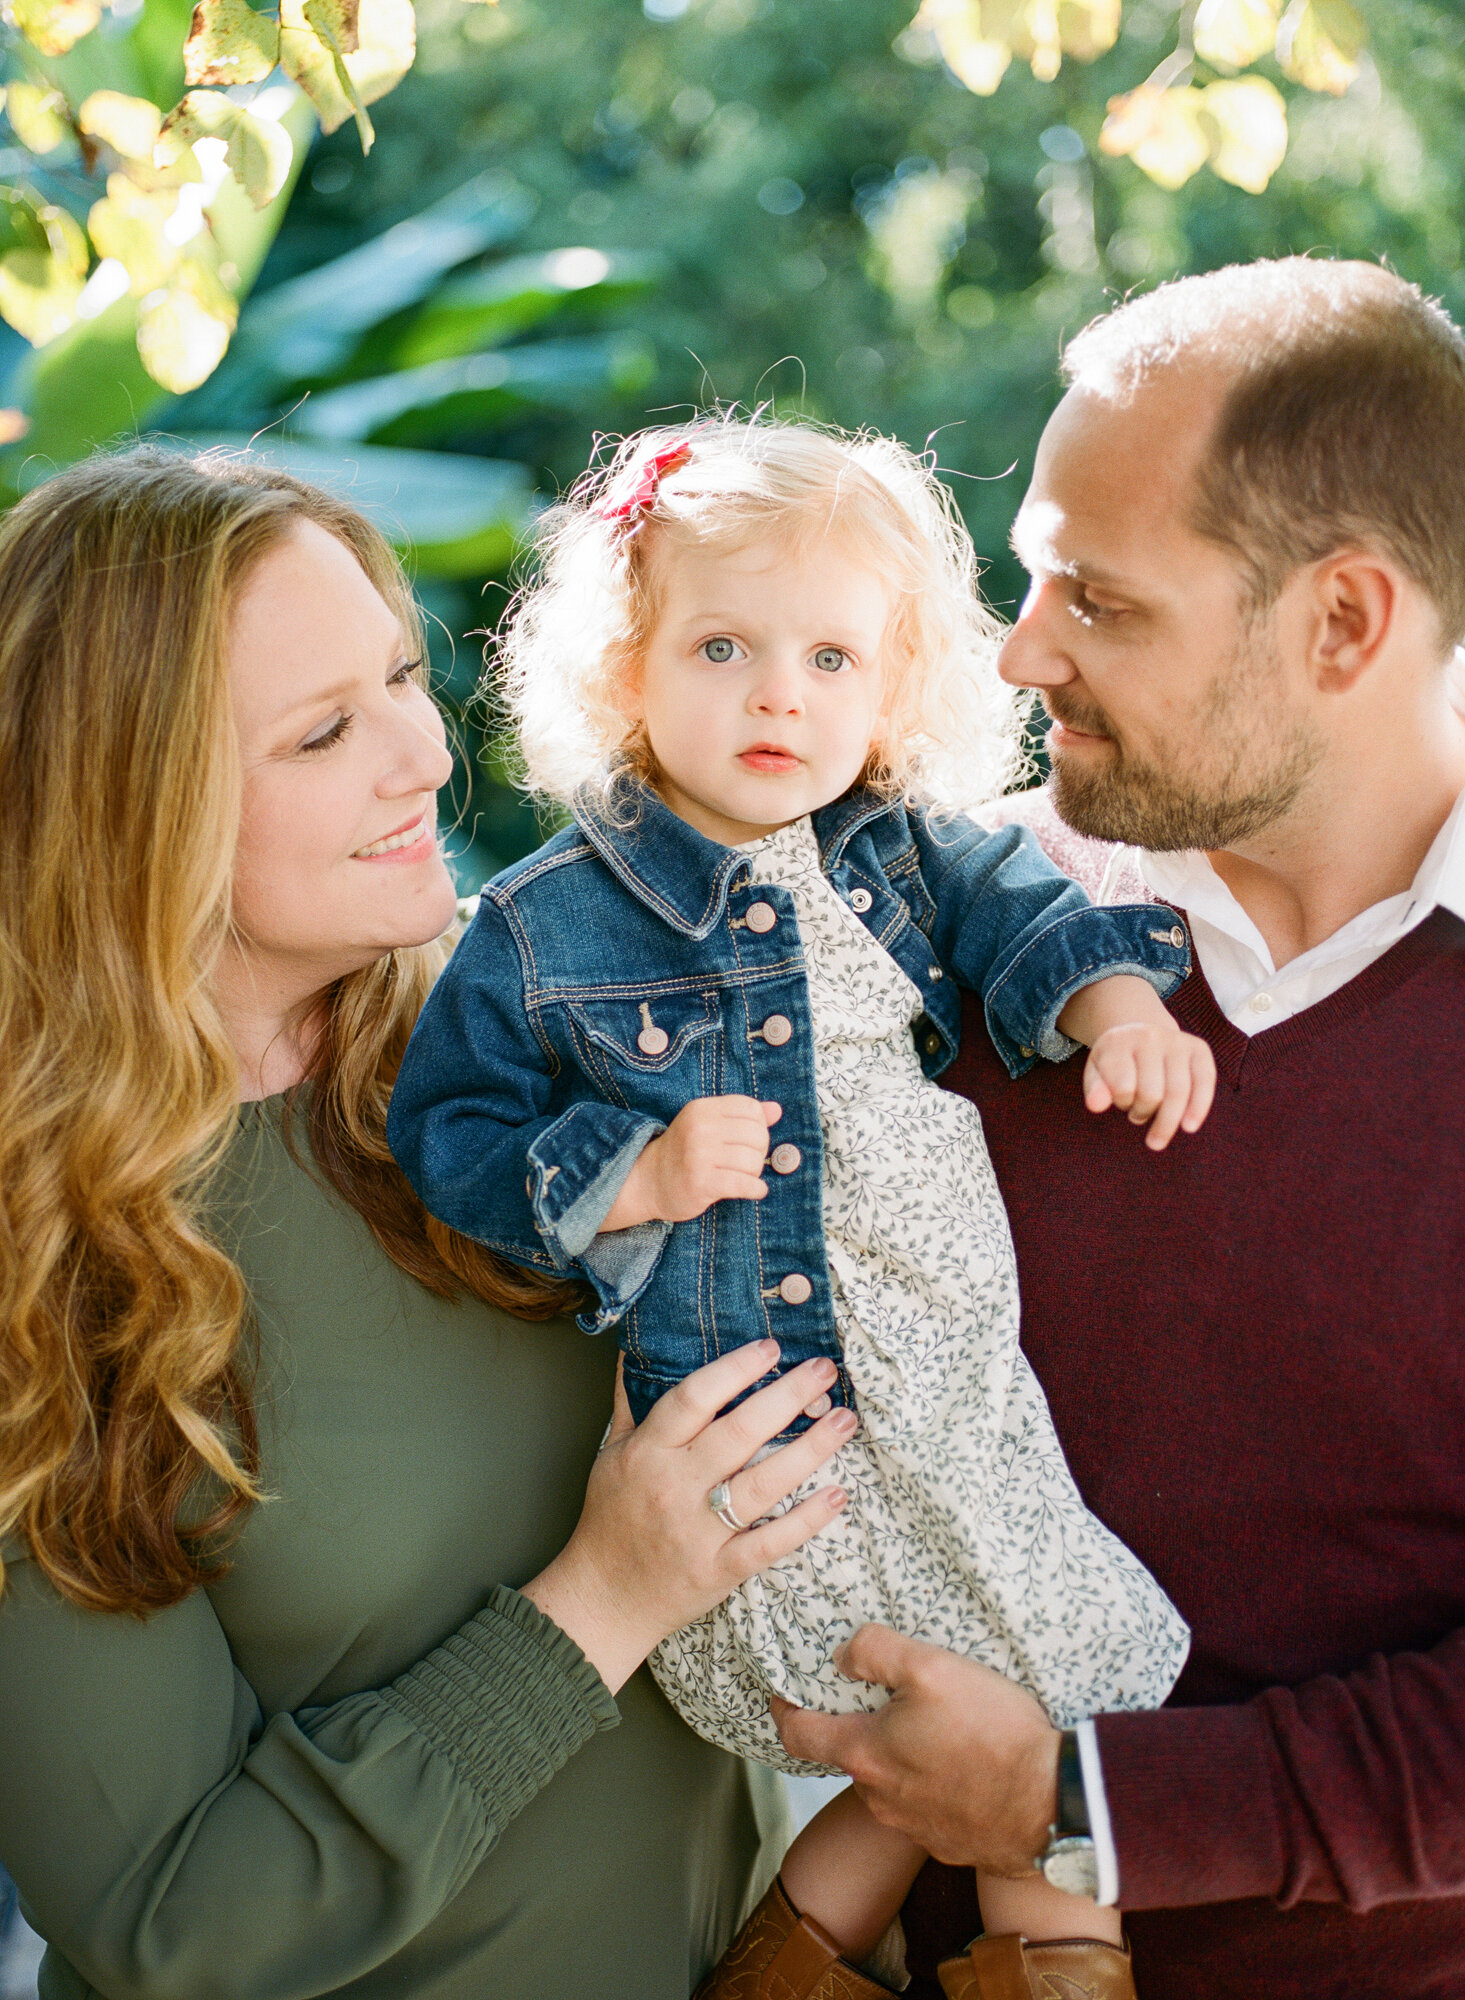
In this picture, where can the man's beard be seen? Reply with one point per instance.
(1248, 769)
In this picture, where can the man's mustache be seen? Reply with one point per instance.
(1088, 721)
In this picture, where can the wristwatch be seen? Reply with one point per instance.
(1068, 1862)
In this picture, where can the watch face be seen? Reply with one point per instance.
(1072, 1866)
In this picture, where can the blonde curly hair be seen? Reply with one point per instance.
(572, 640)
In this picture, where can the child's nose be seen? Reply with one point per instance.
(778, 690)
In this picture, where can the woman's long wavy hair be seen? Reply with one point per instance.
(124, 1371)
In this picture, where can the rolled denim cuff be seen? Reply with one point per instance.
(1144, 940)
(577, 1167)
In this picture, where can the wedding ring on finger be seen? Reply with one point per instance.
(720, 1501)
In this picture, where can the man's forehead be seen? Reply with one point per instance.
(1113, 482)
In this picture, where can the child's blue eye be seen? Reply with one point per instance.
(831, 659)
(719, 651)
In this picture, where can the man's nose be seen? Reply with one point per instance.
(1034, 653)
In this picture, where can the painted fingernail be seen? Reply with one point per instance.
(818, 1408)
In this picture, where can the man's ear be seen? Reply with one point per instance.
(1356, 608)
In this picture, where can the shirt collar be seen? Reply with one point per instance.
(1190, 882)
(677, 871)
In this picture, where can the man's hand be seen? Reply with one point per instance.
(713, 1150)
(961, 1760)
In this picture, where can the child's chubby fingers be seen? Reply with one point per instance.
(1112, 1074)
(1149, 1087)
(1173, 1103)
(1202, 1084)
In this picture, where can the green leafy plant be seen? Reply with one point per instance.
(160, 230)
(1172, 124)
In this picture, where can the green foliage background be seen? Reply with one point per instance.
(797, 204)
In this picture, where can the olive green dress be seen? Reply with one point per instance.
(362, 1764)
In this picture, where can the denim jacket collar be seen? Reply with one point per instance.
(677, 871)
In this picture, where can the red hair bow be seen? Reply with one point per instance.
(653, 471)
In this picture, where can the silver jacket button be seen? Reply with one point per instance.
(761, 917)
(861, 900)
(795, 1289)
(777, 1029)
(784, 1159)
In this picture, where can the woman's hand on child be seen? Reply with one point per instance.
(713, 1150)
(1141, 1061)
(649, 1555)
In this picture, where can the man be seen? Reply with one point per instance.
(1246, 538)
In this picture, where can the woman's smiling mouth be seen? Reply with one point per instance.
(416, 833)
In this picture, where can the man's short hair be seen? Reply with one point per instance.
(1343, 425)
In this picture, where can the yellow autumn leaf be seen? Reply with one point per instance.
(129, 125)
(228, 42)
(342, 85)
(128, 224)
(37, 295)
(978, 59)
(1319, 44)
(1249, 136)
(66, 239)
(1234, 33)
(37, 117)
(39, 286)
(259, 157)
(54, 26)
(1088, 28)
(337, 22)
(1160, 130)
(183, 328)
(198, 114)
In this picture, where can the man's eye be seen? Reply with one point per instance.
(831, 659)
(1091, 612)
(719, 651)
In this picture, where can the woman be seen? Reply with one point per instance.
(304, 1655)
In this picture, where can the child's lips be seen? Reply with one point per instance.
(769, 757)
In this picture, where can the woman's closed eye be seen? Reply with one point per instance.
(333, 730)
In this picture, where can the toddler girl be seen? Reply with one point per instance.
(686, 1051)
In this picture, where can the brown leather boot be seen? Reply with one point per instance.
(779, 1955)
(1009, 1968)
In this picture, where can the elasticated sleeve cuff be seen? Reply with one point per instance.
(1193, 1806)
(507, 1700)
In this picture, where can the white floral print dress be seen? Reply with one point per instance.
(964, 1526)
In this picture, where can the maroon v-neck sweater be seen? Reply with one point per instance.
(1254, 1349)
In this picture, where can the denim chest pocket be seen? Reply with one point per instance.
(664, 1034)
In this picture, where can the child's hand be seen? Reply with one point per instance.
(1155, 1072)
(713, 1150)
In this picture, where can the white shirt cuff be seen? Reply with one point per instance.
(1105, 1857)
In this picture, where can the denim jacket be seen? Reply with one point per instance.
(632, 964)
